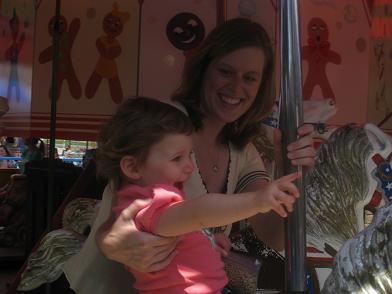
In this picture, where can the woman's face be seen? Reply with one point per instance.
(232, 82)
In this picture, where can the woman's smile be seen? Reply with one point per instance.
(229, 100)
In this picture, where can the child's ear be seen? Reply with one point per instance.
(129, 167)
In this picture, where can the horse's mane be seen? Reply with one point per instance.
(336, 186)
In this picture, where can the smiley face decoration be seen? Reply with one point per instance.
(185, 31)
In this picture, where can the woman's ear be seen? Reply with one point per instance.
(129, 167)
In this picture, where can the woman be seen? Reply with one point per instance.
(226, 91)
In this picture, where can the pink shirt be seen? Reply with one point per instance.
(197, 267)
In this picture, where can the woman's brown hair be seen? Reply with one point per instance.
(138, 124)
(234, 34)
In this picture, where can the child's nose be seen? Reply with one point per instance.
(189, 166)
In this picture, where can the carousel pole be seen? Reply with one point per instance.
(221, 11)
(291, 117)
(53, 111)
(139, 38)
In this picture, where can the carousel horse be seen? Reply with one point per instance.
(45, 263)
(70, 225)
(12, 212)
(352, 174)
(363, 263)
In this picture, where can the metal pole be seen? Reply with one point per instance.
(221, 11)
(291, 117)
(53, 111)
(139, 38)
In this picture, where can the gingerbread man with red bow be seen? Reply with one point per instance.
(318, 54)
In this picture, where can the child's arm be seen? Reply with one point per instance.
(213, 210)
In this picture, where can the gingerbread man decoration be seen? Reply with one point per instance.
(109, 49)
(65, 70)
(12, 54)
(318, 54)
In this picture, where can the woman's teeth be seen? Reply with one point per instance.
(230, 100)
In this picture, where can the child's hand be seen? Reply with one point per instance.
(277, 193)
(223, 243)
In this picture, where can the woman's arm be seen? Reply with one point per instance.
(121, 241)
(214, 210)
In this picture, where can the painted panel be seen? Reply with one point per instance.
(342, 75)
(97, 64)
(263, 12)
(161, 63)
(335, 51)
(380, 71)
(16, 55)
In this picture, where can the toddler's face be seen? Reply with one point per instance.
(169, 161)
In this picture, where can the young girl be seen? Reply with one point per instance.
(146, 151)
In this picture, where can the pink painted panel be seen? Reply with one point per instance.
(161, 62)
(16, 60)
(97, 66)
(338, 69)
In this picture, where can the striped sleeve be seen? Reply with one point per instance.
(250, 178)
(252, 168)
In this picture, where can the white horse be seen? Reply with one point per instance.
(352, 171)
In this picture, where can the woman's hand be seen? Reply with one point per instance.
(124, 243)
(300, 152)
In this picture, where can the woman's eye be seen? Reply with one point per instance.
(225, 72)
(250, 79)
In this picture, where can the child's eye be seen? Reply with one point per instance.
(177, 158)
